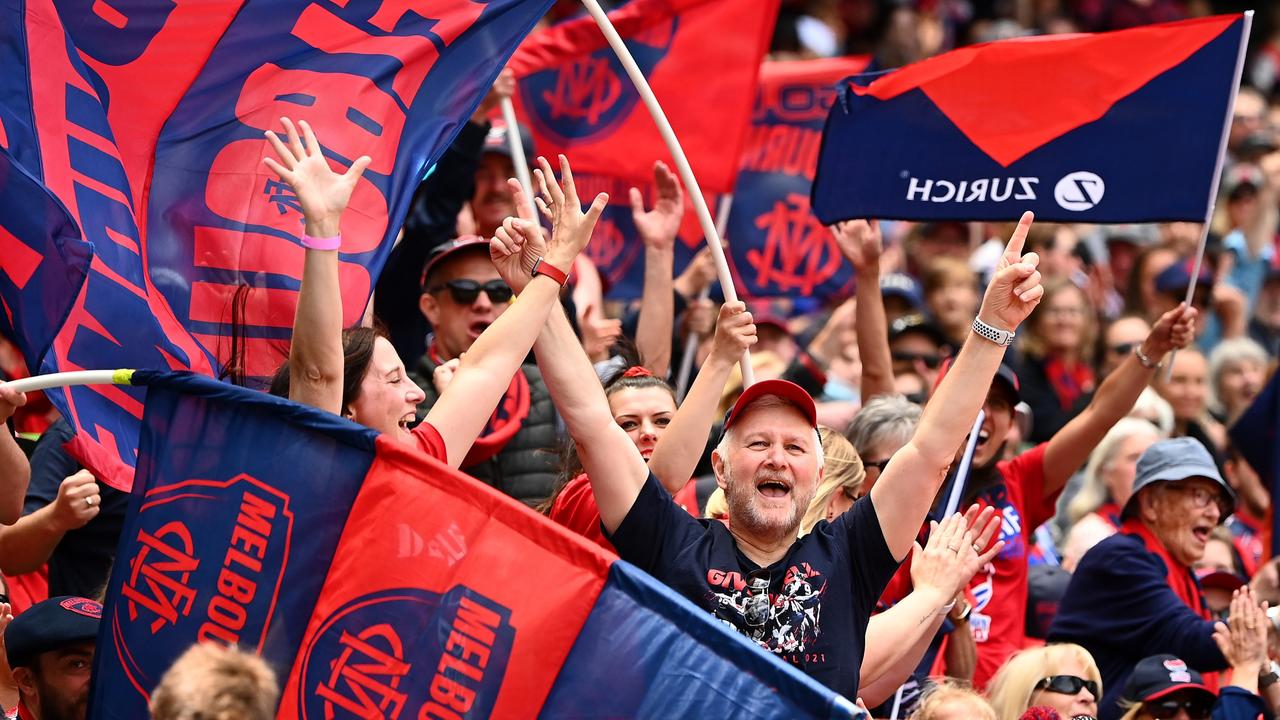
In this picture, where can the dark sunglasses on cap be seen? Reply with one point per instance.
(930, 360)
(465, 292)
(1197, 708)
(1068, 685)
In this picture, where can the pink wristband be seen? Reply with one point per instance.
(330, 243)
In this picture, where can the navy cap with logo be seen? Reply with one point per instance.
(916, 323)
(902, 285)
(1005, 378)
(495, 141)
(1160, 675)
(1176, 277)
(1175, 460)
(49, 625)
(451, 248)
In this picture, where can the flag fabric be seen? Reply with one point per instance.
(777, 246)
(145, 121)
(381, 583)
(1106, 128)
(701, 58)
(1253, 435)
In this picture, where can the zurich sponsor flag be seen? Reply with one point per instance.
(1116, 127)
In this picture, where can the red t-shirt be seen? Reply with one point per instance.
(575, 508)
(429, 441)
(999, 590)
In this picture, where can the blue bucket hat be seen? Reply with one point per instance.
(1175, 460)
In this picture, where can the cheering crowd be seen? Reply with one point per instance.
(1096, 546)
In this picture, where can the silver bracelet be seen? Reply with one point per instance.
(1144, 360)
(1003, 338)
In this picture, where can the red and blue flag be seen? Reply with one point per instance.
(777, 246)
(145, 122)
(1116, 127)
(381, 583)
(701, 57)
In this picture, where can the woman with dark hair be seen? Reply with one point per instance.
(357, 373)
(671, 441)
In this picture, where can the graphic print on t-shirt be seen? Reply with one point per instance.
(1015, 548)
(787, 623)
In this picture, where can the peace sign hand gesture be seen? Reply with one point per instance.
(1015, 290)
(322, 192)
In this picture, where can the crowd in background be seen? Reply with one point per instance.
(1132, 570)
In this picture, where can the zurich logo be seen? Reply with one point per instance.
(588, 98)
(1079, 191)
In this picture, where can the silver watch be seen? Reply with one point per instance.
(1003, 338)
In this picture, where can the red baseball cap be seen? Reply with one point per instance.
(784, 389)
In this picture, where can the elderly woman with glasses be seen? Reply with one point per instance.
(1135, 594)
(1061, 677)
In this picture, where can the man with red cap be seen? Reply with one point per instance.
(807, 600)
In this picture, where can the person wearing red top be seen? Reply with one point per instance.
(357, 373)
(671, 441)
(1024, 490)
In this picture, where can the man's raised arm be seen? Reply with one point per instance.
(906, 490)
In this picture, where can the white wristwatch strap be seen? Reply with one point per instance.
(1003, 338)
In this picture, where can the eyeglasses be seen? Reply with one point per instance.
(1201, 496)
(1068, 685)
(1122, 348)
(879, 465)
(930, 360)
(465, 292)
(1197, 709)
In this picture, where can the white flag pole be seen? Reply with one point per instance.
(1217, 171)
(962, 474)
(64, 379)
(518, 159)
(682, 163)
(691, 342)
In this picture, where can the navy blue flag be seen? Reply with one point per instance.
(1108, 128)
(381, 583)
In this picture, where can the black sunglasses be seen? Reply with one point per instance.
(930, 360)
(1197, 708)
(1122, 348)
(1068, 685)
(877, 464)
(465, 292)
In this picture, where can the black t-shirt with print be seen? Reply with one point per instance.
(821, 593)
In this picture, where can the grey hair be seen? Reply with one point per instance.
(885, 418)
(768, 401)
(1231, 352)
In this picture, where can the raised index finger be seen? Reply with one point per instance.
(1013, 251)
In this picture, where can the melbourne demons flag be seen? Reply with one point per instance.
(701, 57)
(382, 584)
(777, 246)
(145, 120)
(1116, 127)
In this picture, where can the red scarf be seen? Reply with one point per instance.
(1068, 383)
(1180, 578)
(506, 421)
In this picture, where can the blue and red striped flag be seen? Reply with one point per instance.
(1116, 127)
(381, 583)
(145, 121)
(701, 57)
